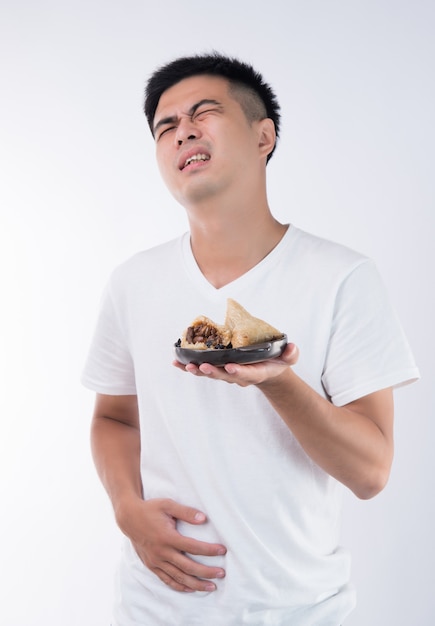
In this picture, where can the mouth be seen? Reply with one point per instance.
(195, 158)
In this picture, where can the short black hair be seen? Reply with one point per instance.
(243, 79)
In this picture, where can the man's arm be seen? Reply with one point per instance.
(150, 525)
(353, 443)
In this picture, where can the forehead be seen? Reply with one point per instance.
(190, 90)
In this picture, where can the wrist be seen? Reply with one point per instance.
(277, 383)
(124, 510)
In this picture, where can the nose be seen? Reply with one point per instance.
(186, 130)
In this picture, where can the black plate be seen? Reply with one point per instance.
(250, 354)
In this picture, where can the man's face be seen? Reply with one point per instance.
(204, 142)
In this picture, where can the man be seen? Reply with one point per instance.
(226, 481)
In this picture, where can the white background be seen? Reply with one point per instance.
(80, 192)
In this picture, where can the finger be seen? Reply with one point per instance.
(188, 514)
(191, 368)
(187, 581)
(198, 548)
(194, 516)
(190, 567)
(171, 582)
(179, 365)
(255, 374)
(180, 567)
(290, 354)
(213, 372)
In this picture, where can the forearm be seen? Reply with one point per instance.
(353, 443)
(150, 525)
(346, 442)
(116, 454)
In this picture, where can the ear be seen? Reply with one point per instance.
(266, 136)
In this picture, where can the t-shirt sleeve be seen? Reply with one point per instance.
(368, 350)
(109, 366)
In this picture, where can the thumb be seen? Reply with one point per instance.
(291, 354)
(185, 513)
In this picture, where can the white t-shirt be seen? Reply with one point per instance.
(223, 448)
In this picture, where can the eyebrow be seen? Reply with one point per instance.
(172, 118)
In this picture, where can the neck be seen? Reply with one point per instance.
(227, 241)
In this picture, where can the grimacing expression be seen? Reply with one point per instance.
(204, 137)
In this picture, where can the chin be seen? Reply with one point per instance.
(196, 193)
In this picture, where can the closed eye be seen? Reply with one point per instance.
(164, 131)
(204, 112)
